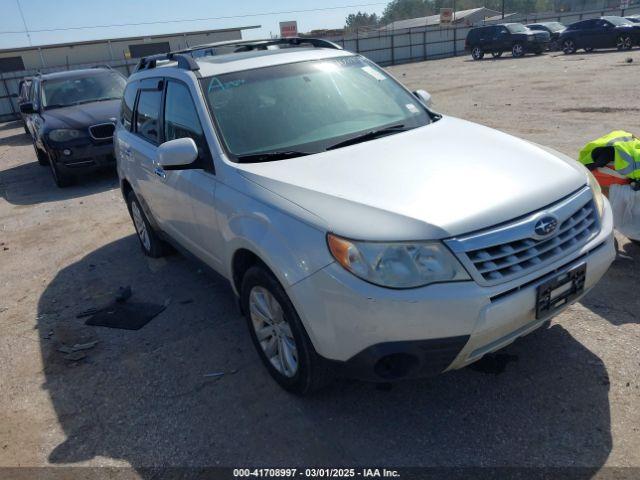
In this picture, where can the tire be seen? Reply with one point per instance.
(588, 49)
(284, 346)
(477, 53)
(538, 51)
(517, 50)
(61, 179)
(569, 46)
(497, 54)
(152, 245)
(43, 158)
(624, 42)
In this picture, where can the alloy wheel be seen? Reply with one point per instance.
(517, 50)
(273, 331)
(141, 226)
(568, 46)
(624, 43)
(477, 53)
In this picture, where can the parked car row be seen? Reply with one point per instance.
(300, 175)
(606, 32)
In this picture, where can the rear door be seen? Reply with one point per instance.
(604, 35)
(143, 146)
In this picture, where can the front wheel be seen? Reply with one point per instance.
(517, 50)
(62, 180)
(624, 42)
(569, 47)
(477, 53)
(496, 54)
(279, 336)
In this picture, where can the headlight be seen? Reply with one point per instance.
(64, 135)
(597, 193)
(397, 265)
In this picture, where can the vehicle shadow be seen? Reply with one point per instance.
(607, 299)
(31, 184)
(144, 396)
(17, 139)
(10, 125)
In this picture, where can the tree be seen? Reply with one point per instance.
(403, 9)
(361, 19)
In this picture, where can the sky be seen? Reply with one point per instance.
(66, 14)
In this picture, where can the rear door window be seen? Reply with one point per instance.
(128, 102)
(148, 110)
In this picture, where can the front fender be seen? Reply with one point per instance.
(292, 248)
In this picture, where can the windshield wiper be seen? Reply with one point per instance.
(269, 156)
(369, 136)
(104, 99)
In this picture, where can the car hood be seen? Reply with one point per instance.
(445, 179)
(82, 116)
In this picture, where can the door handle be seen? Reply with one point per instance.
(160, 172)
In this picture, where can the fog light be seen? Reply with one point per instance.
(67, 152)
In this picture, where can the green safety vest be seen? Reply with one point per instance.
(627, 152)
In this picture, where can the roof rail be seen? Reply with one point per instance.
(249, 45)
(184, 61)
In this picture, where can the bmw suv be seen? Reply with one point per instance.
(330, 197)
(71, 117)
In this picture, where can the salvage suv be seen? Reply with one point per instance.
(363, 233)
(71, 118)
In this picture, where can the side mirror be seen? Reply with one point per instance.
(177, 153)
(424, 97)
(27, 108)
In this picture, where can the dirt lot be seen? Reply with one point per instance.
(569, 395)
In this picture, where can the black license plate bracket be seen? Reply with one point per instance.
(557, 292)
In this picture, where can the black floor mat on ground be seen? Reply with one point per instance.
(125, 316)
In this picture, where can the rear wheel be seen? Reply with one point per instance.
(477, 53)
(151, 244)
(538, 51)
(279, 336)
(569, 46)
(497, 54)
(624, 42)
(517, 50)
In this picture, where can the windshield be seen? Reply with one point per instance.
(555, 26)
(74, 91)
(517, 28)
(618, 21)
(309, 106)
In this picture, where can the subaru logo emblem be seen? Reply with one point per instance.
(546, 226)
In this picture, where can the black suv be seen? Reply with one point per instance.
(71, 116)
(605, 32)
(553, 28)
(497, 39)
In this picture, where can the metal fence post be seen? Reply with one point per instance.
(424, 41)
(393, 48)
(455, 41)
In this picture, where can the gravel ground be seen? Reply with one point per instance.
(567, 395)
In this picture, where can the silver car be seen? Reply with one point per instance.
(363, 233)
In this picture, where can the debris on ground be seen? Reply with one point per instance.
(77, 347)
(629, 60)
(75, 356)
(124, 294)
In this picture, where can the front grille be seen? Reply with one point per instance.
(103, 131)
(510, 252)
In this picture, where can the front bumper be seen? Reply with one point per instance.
(83, 157)
(381, 334)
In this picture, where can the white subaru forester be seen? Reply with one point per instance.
(363, 233)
